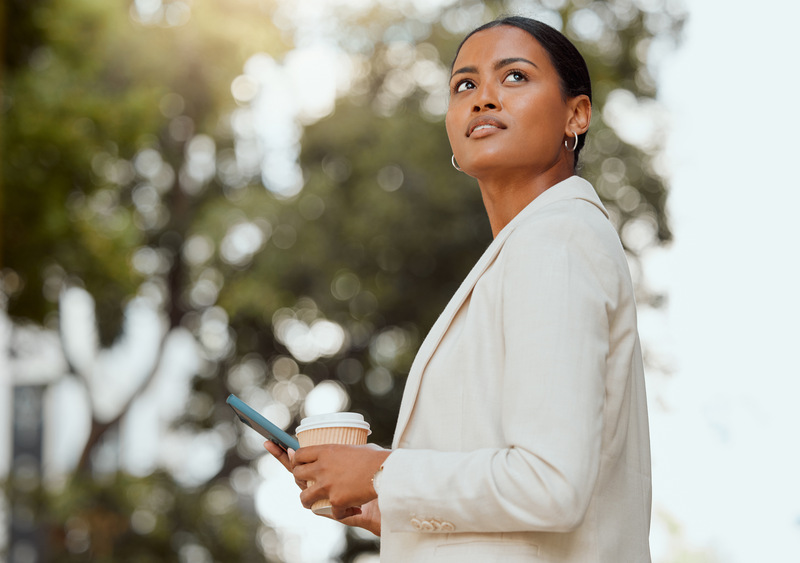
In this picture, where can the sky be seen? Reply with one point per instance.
(725, 422)
(723, 399)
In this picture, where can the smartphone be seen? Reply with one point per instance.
(257, 422)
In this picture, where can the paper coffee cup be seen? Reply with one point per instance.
(334, 428)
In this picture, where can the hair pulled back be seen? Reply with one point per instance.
(565, 57)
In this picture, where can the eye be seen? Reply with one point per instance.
(516, 76)
(463, 86)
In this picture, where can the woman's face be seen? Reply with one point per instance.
(506, 111)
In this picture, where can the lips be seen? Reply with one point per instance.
(484, 122)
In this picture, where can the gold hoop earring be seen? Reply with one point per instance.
(575, 146)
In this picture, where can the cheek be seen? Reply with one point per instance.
(540, 127)
(550, 120)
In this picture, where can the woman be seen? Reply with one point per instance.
(523, 434)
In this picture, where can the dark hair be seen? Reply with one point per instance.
(564, 56)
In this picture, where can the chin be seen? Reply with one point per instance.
(478, 166)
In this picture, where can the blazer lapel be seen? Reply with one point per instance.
(436, 334)
(573, 187)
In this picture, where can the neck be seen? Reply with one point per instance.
(505, 196)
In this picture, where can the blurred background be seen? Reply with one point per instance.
(202, 197)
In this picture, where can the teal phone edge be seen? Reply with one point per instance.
(257, 422)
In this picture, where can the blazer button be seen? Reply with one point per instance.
(447, 527)
(416, 524)
(427, 526)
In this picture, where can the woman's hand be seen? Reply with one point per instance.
(341, 474)
(367, 516)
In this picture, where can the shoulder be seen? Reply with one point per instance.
(571, 223)
(567, 237)
(569, 206)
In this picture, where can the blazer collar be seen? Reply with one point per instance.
(571, 188)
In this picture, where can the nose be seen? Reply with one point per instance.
(487, 98)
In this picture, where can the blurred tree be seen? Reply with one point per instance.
(150, 519)
(86, 91)
(101, 104)
(132, 167)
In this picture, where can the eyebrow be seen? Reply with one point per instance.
(497, 66)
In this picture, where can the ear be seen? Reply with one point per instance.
(580, 108)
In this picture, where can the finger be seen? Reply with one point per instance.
(306, 499)
(279, 453)
(311, 495)
(305, 472)
(342, 513)
(310, 454)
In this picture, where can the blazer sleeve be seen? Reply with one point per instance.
(559, 283)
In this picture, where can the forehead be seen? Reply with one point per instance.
(501, 42)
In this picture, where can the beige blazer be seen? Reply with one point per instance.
(523, 434)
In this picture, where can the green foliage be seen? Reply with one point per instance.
(121, 518)
(93, 93)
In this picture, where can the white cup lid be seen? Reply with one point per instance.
(338, 419)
